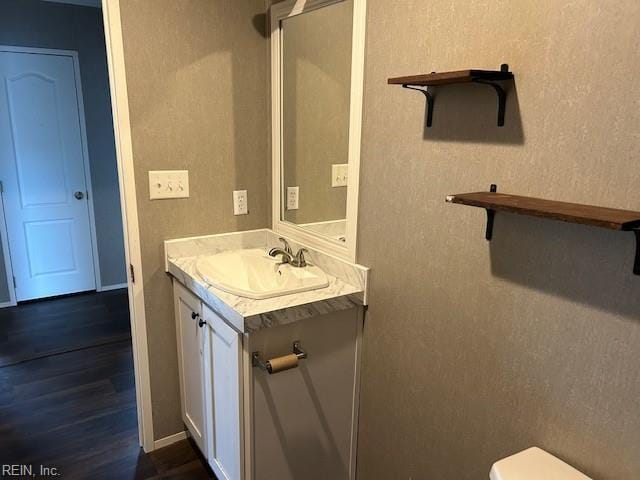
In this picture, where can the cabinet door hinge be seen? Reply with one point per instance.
(15, 284)
(133, 273)
(1, 187)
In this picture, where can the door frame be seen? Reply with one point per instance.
(6, 253)
(85, 159)
(129, 204)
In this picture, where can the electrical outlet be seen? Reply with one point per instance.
(293, 193)
(339, 174)
(168, 184)
(240, 202)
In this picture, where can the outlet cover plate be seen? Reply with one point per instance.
(240, 202)
(293, 197)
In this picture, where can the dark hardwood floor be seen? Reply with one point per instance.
(76, 411)
(43, 328)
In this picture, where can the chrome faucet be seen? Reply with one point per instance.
(296, 260)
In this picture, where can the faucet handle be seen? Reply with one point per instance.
(299, 258)
(287, 247)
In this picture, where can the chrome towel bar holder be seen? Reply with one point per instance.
(280, 364)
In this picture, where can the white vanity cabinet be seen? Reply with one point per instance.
(223, 396)
(191, 339)
(252, 425)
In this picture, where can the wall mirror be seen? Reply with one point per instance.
(317, 57)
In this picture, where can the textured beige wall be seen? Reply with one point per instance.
(316, 92)
(475, 350)
(196, 74)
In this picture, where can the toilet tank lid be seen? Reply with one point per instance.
(534, 464)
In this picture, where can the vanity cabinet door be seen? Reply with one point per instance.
(304, 419)
(190, 336)
(224, 397)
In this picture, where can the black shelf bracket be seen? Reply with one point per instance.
(491, 215)
(430, 100)
(502, 94)
(636, 265)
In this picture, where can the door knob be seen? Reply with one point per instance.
(79, 195)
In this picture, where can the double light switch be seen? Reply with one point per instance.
(339, 174)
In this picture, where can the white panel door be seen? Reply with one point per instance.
(43, 174)
(224, 398)
(190, 335)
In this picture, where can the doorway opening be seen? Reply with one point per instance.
(73, 361)
(60, 234)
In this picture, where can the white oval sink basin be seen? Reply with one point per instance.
(252, 273)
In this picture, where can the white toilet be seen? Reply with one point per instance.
(534, 464)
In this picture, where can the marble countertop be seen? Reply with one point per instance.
(248, 315)
(347, 282)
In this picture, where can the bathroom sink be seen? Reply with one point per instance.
(253, 274)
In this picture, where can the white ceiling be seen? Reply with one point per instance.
(84, 3)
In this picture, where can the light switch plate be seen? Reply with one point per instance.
(168, 184)
(293, 194)
(339, 174)
(240, 202)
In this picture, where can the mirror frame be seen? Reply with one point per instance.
(287, 9)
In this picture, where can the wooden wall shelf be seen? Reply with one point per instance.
(422, 83)
(611, 218)
(450, 78)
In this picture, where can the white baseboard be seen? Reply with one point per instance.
(112, 287)
(8, 304)
(171, 439)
